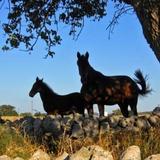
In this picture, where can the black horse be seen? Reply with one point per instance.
(108, 90)
(58, 104)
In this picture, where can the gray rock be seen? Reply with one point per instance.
(5, 157)
(40, 155)
(132, 153)
(66, 124)
(154, 120)
(64, 156)
(28, 120)
(98, 153)
(153, 157)
(104, 127)
(82, 154)
(123, 123)
(156, 111)
(126, 122)
(65, 120)
(113, 121)
(76, 131)
(38, 131)
(52, 126)
(26, 126)
(142, 123)
(91, 127)
(147, 115)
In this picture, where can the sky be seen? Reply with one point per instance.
(122, 54)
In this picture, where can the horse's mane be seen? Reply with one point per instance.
(50, 90)
(94, 71)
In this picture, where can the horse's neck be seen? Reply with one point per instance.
(94, 75)
(91, 69)
(47, 94)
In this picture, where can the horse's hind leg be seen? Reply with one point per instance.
(124, 109)
(133, 105)
(90, 110)
(101, 110)
(74, 114)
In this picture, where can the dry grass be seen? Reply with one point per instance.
(14, 145)
(11, 118)
(148, 141)
(116, 143)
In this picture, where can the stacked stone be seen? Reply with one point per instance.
(93, 152)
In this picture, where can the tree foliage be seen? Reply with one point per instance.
(31, 20)
(26, 114)
(8, 110)
(42, 18)
(39, 114)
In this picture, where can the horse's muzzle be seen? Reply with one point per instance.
(30, 94)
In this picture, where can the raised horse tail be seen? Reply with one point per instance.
(141, 80)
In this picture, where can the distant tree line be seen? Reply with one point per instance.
(37, 114)
(9, 110)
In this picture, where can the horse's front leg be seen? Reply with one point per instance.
(90, 110)
(101, 110)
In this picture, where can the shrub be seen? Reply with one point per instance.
(13, 144)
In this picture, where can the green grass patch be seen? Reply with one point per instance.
(13, 144)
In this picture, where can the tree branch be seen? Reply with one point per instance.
(118, 13)
(128, 1)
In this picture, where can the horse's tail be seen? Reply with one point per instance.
(141, 80)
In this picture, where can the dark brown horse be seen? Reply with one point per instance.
(108, 90)
(58, 104)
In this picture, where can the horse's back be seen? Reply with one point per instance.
(110, 89)
(66, 104)
(98, 76)
(117, 82)
(72, 102)
(77, 98)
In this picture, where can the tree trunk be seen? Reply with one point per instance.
(148, 13)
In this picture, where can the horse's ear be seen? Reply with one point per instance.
(37, 79)
(87, 55)
(42, 79)
(78, 55)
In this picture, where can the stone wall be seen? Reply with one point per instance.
(80, 127)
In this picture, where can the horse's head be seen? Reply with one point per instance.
(83, 66)
(37, 86)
